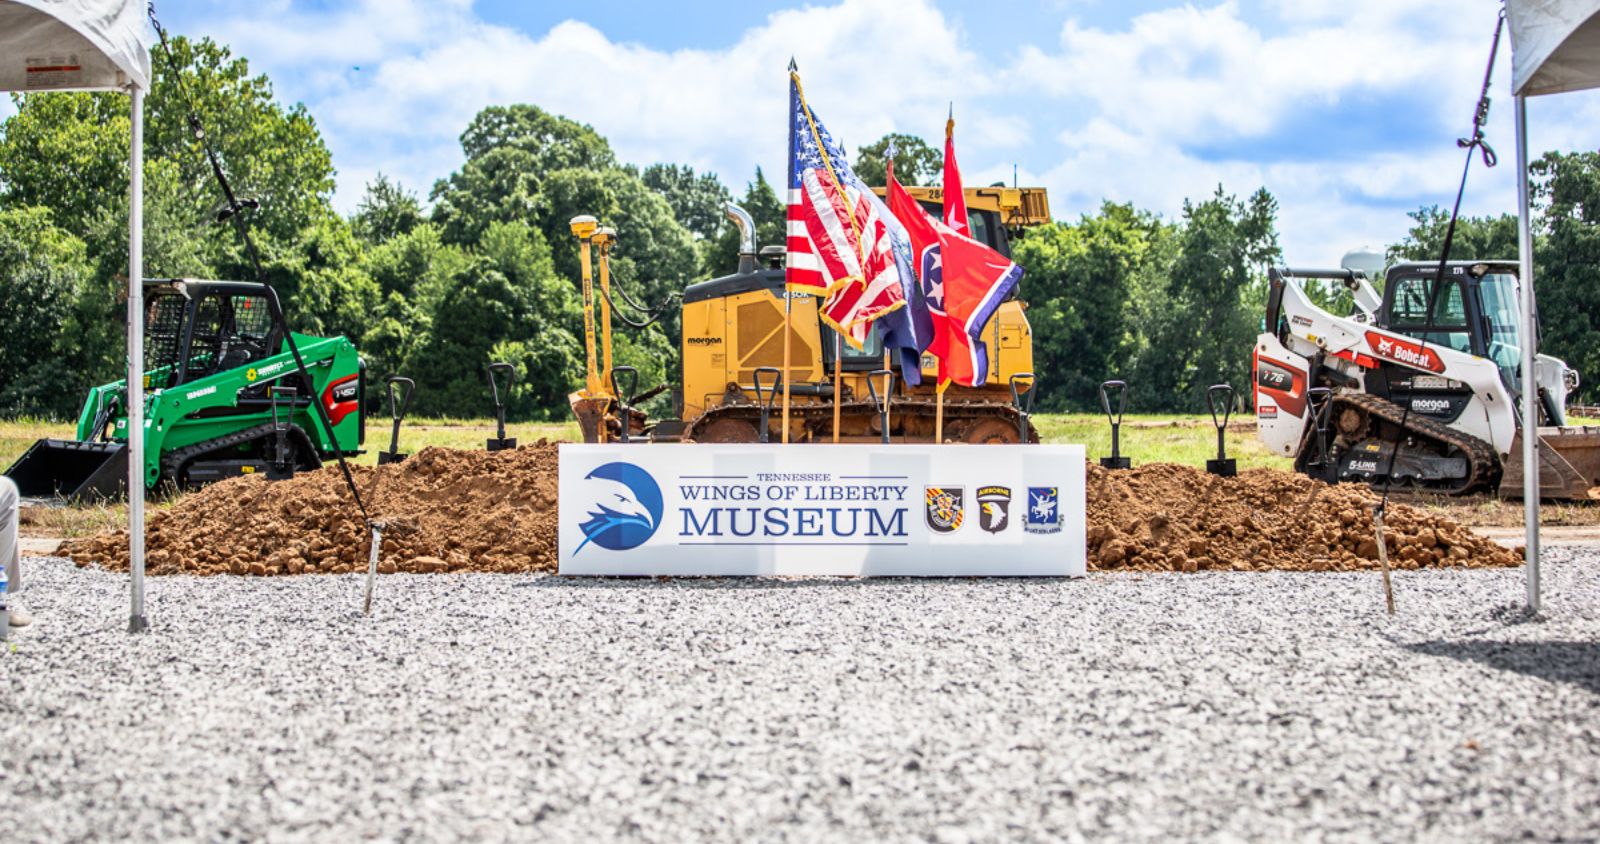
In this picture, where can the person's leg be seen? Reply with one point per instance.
(10, 553)
(10, 548)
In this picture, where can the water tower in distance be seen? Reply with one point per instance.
(1366, 260)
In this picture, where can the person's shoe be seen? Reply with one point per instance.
(20, 617)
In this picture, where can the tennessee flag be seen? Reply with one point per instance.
(955, 202)
(962, 280)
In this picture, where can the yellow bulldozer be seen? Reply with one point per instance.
(733, 355)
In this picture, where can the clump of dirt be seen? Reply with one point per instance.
(445, 510)
(1162, 517)
(450, 510)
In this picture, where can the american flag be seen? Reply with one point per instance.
(839, 241)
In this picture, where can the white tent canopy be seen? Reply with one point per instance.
(1555, 48)
(90, 45)
(55, 45)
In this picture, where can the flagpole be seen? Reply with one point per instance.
(788, 334)
(888, 380)
(938, 414)
(838, 369)
(888, 386)
(788, 302)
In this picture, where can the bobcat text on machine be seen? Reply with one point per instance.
(1332, 391)
(732, 353)
(223, 399)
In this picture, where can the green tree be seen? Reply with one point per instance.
(1079, 283)
(322, 277)
(510, 151)
(1208, 309)
(915, 163)
(508, 305)
(696, 200)
(1476, 238)
(69, 152)
(721, 256)
(1567, 260)
(387, 211)
(46, 273)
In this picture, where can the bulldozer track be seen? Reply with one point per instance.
(954, 412)
(1482, 462)
(173, 462)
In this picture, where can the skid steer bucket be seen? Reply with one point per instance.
(1569, 464)
(76, 471)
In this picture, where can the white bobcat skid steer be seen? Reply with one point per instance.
(1332, 392)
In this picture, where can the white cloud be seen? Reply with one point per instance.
(1178, 82)
(714, 109)
(1143, 112)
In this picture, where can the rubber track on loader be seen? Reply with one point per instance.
(173, 461)
(1481, 458)
(954, 411)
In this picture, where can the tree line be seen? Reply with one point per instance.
(485, 270)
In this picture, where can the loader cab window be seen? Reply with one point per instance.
(1408, 313)
(1497, 294)
(163, 336)
(984, 226)
(228, 331)
(867, 358)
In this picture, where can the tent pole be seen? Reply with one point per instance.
(136, 621)
(1530, 339)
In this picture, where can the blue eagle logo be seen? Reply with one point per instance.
(627, 509)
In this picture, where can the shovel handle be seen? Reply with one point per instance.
(1121, 389)
(398, 406)
(1212, 392)
(494, 389)
(397, 409)
(625, 397)
(767, 395)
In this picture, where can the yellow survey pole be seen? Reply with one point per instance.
(604, 238)
(583, 227)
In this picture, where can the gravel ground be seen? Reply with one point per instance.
(1231, 706)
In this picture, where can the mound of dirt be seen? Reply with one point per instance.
(450, 510)
(445, 510)
(1162, 517)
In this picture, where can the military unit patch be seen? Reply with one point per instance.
(946, 510)
(994, 508)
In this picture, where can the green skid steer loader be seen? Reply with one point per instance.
(223, 398)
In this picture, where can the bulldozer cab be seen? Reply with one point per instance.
(194, 329)
(1474, 311)
(994, 213)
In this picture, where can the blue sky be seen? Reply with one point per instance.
(1347, 110)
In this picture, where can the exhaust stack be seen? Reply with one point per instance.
(747, 236)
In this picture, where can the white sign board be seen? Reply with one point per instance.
(901, 510)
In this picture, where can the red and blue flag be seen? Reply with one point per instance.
(962, 281)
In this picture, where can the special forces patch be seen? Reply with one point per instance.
(945, 508)
(994, 508)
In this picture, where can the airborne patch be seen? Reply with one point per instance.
(994, 508)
